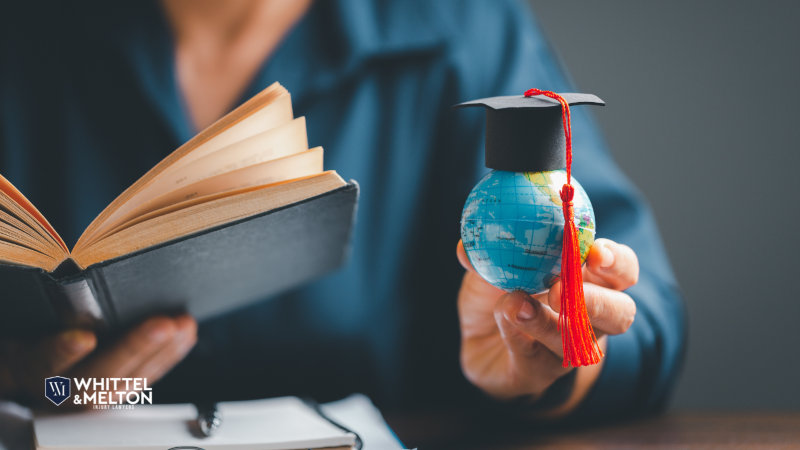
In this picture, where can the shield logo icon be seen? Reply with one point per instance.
(56, 389)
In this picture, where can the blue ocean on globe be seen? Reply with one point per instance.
(512, 228)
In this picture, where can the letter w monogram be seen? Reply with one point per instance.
(58, 388)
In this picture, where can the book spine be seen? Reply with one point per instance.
(75, 303)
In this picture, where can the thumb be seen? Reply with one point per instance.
(529, 332)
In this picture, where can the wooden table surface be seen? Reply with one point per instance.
(670, 431)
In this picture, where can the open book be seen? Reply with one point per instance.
(252, 161)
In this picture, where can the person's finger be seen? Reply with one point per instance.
(132, 350)
(610, 311)
(58, 353)
(534, 320)
(148, 351)
(50, 356)
(462, 257)
(611, 265)
(536, 366)
(168, 356)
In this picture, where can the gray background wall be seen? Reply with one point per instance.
(702, 114)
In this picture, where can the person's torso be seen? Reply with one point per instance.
(89, 104)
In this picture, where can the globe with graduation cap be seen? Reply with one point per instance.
(512, 225)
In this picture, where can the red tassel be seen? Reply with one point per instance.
(577, 334)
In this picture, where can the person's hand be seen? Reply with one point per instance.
(149, 351)
(510, 343)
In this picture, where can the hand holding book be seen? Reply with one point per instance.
(148, 351)
(241, 212)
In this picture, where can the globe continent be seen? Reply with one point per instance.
(512, 228)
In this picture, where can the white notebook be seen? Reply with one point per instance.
(275, 424)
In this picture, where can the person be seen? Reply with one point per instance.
(93, 94)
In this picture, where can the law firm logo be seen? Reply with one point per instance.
(100, 393)
(56, 389)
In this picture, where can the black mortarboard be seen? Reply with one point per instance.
(525, 134)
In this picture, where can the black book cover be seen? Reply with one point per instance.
(206, 273)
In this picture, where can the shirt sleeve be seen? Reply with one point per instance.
(641, 365)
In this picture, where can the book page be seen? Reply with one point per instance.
(272, 144)
(11, 192)
(276, 143)
(270, 172)
(14, 210)
(12, 235)
(16, 224)
(27, 241)
(268, 109)
(196, 201)
(204, 216)
(22, 256)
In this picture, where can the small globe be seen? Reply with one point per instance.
(512, 228)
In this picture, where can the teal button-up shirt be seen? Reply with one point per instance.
(89, 103)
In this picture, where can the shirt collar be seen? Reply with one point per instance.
(336, 40)
(373, 28)
(329, 46)
(149, 44)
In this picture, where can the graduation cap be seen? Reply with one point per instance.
(526, 134)
(533, 133)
